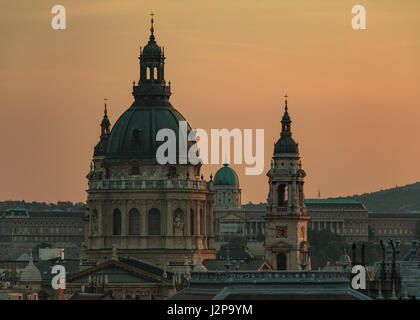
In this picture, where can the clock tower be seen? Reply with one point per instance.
(286, 246)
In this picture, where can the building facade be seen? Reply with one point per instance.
(394, 225)
(21, 230)
(152, 212)
(345, 217)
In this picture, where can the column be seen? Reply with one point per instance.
(169, 220)
(187, 218)
(124, 222)
(143, 216)
(197, 218)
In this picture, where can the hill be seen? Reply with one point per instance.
(398, 199)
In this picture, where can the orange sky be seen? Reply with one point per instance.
(352, 94)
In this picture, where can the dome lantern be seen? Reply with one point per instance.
(286, 144)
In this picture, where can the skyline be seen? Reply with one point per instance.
(355, 121)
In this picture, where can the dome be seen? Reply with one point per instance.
(286, 144)
(133, 135)
(226, 176)
(31, 273)
(152, 49)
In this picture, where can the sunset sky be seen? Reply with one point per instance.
(353, 94)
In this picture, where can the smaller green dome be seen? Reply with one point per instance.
(226, 176)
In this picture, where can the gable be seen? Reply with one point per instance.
(113, 275)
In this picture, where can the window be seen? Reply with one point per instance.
(192, 221)
(116, 222)
(134, 222)
(155, 74)
(154, 222)
(135, 170)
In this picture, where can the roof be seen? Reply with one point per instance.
(226, 176)
(269, 285)
(331, 201)
(57, 214)
(397, 215)
(235, 253)
(23, 257)
(334, 203)
(219, 264)
(45, 266)
(91, 296)
(133, 135)
(124, 270)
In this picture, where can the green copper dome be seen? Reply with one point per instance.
(134, 134)
(226, 176)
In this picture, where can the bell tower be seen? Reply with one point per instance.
(286, 246)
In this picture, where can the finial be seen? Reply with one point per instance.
(152, 29)
(285, 101)
(105, 100)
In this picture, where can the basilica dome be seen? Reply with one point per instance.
(133, 135)
(226, 176)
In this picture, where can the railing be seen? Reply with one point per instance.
(171, 184)
(269, 276)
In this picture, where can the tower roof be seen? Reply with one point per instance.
(286, 144)
(226, 176)
(31, 273)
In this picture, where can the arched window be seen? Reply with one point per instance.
(155, 73)
(192, 221)
(281, 195)
(154, 222)
(116, 223)
(281, 261)
(202, 222)
(148, 73)
(134, 222)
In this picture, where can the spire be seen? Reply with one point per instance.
(285, 121)
(31, 259)
(105, 124)
(152, 29)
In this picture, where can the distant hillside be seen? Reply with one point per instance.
(398, 199)
(42, 206)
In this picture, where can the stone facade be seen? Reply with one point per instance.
(21, 230)
(394, 225)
